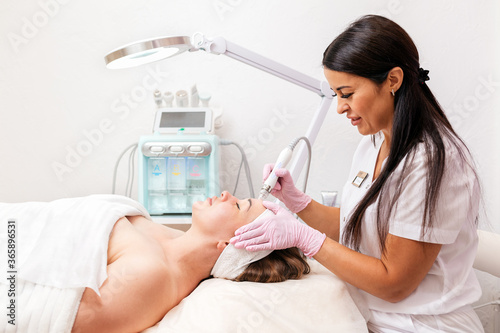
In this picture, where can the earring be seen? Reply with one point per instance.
(393, 93)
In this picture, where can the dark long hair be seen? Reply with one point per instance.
(278, 266)
(370, 47)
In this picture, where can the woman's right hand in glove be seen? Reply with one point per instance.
(285, 190)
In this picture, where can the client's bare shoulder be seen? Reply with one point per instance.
(140, 288)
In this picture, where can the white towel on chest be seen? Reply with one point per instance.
(64, 243)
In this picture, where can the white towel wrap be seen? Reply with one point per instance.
(64, 243)
(232, 261)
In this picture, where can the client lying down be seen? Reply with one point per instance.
(151, 268)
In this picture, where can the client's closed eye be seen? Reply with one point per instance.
(238, 205)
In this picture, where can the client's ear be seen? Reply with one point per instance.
(221, 245)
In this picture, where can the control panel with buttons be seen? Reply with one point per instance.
(180, 149)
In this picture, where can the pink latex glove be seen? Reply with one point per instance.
(285, 190)
(276, 232)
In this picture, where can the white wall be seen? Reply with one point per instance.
(55, 90)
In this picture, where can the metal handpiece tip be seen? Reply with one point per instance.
(263, 195)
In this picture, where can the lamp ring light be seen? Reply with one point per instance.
(146, 51)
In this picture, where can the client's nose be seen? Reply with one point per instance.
(225, 196)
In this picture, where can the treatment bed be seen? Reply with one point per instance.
(61, 248)
(319, 302)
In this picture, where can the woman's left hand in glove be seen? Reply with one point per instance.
(277, 231)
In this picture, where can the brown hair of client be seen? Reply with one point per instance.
(278, 266)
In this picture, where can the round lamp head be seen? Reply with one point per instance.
(146, 51)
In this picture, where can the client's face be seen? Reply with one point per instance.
(226, 213)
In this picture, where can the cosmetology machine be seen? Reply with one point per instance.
(179, 163)
(146, 51)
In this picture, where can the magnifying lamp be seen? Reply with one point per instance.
(146, 51)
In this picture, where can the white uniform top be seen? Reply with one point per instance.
(451, 282)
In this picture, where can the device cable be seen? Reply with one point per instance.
(283, 158)
(309, 157)
(238, 175)
(244, 161)
(131, 172)
(118, 163)
(497, 302)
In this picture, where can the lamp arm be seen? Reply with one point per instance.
(219, 45)
(300, 157)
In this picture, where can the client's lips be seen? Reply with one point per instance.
(209, 201)
(355, 121)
